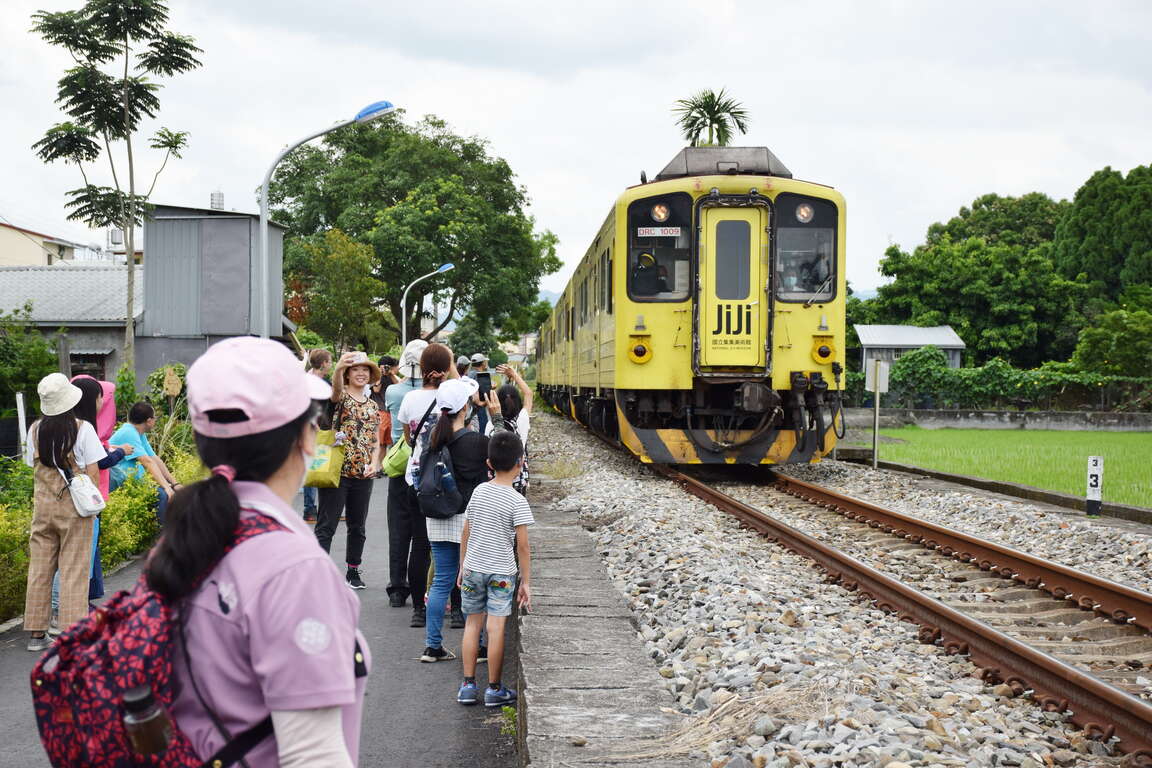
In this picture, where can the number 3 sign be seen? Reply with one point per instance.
(1095, 484)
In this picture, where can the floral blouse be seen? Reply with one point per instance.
(360, 423)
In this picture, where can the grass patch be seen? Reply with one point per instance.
(1052, 460)
(561, 469)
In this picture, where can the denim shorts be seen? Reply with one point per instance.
(489, 593)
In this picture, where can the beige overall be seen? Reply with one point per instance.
(61, 539)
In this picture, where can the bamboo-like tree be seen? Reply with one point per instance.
(711, 112)
(117, 46)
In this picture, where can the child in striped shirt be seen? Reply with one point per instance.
(495, 537)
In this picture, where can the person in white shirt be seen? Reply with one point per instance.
(59, 446)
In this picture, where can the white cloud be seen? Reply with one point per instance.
(911, 109)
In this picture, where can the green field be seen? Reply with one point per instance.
(1055, 461)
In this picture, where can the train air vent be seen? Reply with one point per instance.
(708, 161)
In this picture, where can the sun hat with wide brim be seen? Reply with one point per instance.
(358, 358)
(57, 394)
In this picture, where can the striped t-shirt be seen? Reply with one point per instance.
(493, 514)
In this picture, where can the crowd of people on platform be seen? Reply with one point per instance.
(258, 601)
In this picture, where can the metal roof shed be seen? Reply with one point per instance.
(890, 342)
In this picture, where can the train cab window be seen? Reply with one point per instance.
(805, 249)
(660, 248)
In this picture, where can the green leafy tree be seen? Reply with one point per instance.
(25, 358)
(1002, 300)
(117, 48)
(1118, 344)
(713, 113)
(420, 196)
(342, 289)
(1029, 221)
(1107, 234)
(474, 334)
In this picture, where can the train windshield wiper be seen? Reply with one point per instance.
(816, 293)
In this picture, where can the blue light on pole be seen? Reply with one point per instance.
(446, 267)
(370, 112)
(373, 111)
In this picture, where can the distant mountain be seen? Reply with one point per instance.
(550, 296)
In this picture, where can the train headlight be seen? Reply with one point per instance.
(660, 213)
(804, 213)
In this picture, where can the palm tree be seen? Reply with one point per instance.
(715, 112)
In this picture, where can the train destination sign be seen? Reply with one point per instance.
(658, 232)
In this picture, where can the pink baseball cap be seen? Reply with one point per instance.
(259, 377)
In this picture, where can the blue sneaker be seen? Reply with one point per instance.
(499, 698)
(469, 694)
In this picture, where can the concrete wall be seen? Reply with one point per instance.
(861, 418)
(94, 337)
(154, 352)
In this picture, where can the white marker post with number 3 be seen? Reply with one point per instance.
(1095, 485)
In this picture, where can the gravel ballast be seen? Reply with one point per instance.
(769, 665)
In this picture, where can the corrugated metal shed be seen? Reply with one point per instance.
(896, 336)
(70, 294)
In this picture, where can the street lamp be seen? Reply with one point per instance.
(404, 300)
(370, 112)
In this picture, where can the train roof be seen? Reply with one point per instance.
(709, 161)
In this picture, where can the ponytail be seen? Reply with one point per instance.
(203, 517)
(443, 430)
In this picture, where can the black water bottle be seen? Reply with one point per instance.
(146, 721)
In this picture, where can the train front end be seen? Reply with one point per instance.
(730, 333)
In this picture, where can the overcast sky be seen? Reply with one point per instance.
(910, 108)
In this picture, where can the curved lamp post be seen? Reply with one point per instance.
(404, 300)
(370, 112)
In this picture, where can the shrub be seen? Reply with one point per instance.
(25, 358)
(128, 523)
(15, 526)
(126, 395)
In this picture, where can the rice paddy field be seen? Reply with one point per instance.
(1055, 461)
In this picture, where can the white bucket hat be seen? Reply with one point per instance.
(57, 394)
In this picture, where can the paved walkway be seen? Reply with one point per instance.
(411, 717)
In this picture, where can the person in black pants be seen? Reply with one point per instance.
(357, 423)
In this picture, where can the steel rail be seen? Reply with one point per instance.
(1101, 710)
(1118, 602)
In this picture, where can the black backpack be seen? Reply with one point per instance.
(436, 489)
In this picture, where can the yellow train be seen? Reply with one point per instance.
(705, 323)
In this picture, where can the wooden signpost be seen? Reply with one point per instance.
(172, 388)
(876, 380)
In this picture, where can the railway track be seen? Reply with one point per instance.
(1069, 640)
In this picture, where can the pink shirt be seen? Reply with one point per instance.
(272, 628)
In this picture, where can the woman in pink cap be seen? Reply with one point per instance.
(268, 626)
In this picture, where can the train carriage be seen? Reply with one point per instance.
(705, 323)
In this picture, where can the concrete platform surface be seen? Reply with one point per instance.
(589, 695)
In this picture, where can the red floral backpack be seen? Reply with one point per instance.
(128, 642)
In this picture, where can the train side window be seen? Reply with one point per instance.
(660, 248)
(805, 249)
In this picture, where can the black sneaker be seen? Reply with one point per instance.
(436, 654)
(456, 619)
(353, 578)
(482, 654)
(397, 599)
(310, 516)
(419, 618)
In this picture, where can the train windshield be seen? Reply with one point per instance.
(660, 248)
(805, 249)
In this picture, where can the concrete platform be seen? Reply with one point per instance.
(588, 694)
